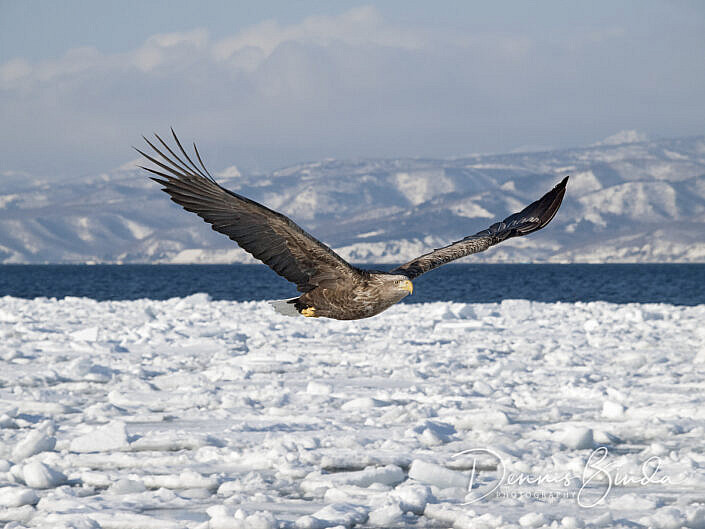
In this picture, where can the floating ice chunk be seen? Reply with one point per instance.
(591, 325)
(16, 514)
(8, 317)
(219, 511)
(34, 442)
(112, 436)
(480, 419)
(452, 516)
(200, 298)
(516, 309)
(633, 359)
(700, 356)
(89, 334)
(696, 518)
(457, 325)
(40, 476)
(600, 437)
(348, 460)
(482, 388)
(345, 514)
(466, 312)
(577, 438)
(630, 313)
(6, 421)
(127, 486)
(433, 433)
(634, 501)
(387, 516)
(6, 417)
(319, 388)
(412, 497)
(150, 313)
(173, 441)
(84, 369)
(261, 520)
(447, 314)
(374, 495)
(612, 410)
(533, 519)
(389, 475)
(571, 522)
(222, 517)
(119, 520)
(42, 408)
(433, 474)
(665, 518)
(95, 479)
(485, 520)
(17, 497)
(188, 479)
(363, 403)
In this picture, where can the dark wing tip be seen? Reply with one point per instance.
(532, 218)
(548, 205)
(165, 183)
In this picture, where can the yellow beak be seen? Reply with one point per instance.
(408, 286)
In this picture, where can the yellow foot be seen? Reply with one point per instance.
(309, 312)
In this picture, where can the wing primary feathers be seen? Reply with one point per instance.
(532, 218)
(266, 234)
(165, 167)
(176, 138)
(159, 173)
(198, 155)
(174, 165)
(183, 165)
(157, 180)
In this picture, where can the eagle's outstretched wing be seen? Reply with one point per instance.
(269, 236)
(533, 217)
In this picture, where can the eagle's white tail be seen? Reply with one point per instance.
(285, 307)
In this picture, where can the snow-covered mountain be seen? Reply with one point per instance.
(642, 201)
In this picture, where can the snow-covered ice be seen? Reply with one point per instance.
(190, 413)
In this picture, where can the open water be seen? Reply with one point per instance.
(678, 284)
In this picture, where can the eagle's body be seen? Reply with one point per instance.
(330, 286)
(364, 296)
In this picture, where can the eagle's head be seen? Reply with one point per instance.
(401, 284)
(390, 288)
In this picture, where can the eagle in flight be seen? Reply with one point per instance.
(330, 286)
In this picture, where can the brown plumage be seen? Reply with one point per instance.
(330, 286)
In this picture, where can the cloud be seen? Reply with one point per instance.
(353, 84)
(229, 172)
(361, 26)
(160, 48)
(13, 71)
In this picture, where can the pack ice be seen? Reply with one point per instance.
(190, 413)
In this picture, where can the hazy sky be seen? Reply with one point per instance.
(266, 84)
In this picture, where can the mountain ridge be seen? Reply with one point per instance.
(626, 202)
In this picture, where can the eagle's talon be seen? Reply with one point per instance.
(309, 312)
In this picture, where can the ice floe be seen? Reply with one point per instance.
(190, 413)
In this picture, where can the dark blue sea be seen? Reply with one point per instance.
(678, 284)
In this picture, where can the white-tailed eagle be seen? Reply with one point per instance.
(330, 286)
